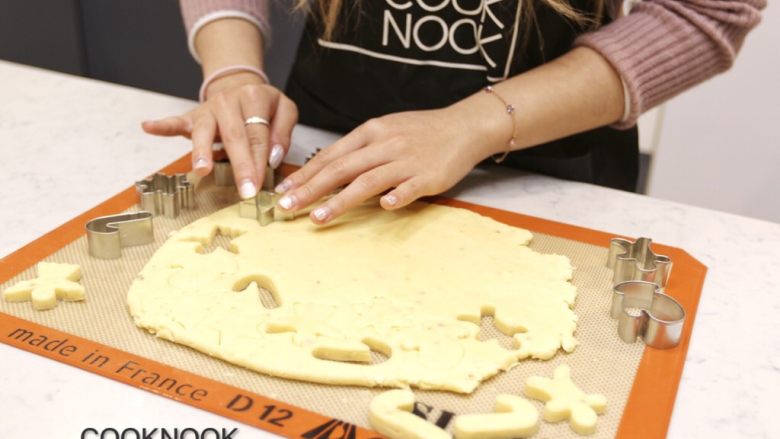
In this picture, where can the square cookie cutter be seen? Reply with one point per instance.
(106, 235)
(639, 302)
(264, 208)
(165, 194)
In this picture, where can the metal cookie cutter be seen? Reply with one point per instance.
(106, 235)
(636, 261)
(223, 175)
(643, 310)
(264, 209)
(165, 194)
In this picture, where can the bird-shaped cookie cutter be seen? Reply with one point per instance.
(165, 194)
(106, 235)
(643, 310)
(637, 261)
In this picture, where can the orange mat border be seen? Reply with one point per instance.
(647, 413)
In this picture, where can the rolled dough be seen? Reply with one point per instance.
(411, 285)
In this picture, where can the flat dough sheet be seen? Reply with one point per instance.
(410, 284)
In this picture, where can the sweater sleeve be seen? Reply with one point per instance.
(198, 13)
(664, 47)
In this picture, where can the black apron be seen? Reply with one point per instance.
(400, 55)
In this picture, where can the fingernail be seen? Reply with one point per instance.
(277, 153)
(200, 163)
(287, 202)
(247, 189)
(282, 187)
(322, 213)
(390, 200)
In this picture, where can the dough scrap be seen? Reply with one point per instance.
(390, 414)
(564, 400)
(54, 281)
(410, 284)
(514, 417)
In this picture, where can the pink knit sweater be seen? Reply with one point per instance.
(661, 48)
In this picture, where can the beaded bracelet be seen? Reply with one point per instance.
(510, 110)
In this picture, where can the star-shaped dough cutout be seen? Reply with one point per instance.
(54, 281)
(564, 400)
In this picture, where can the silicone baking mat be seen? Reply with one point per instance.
(98, 335)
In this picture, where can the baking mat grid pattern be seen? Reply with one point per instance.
(600, 364)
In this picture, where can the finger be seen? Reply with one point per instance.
(169, 126)
(364, 187)
(406, 193)
(337, 173)
(233, 134)
(203, 131)
(347, 144)
(255, 102)
(285, 118)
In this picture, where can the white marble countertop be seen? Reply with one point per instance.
(67, 144)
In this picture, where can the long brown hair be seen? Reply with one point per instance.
(329, 11)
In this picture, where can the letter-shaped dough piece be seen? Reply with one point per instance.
(564, 400)
(390, 414)
(514, 417)
(54, 281)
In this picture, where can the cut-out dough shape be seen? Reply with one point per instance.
(564, 400)
(514, 417)
(390, 414)
(54, 281)
(411, 285)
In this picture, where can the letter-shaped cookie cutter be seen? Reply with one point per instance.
(106, 235)
(636, 261)
(643, 310)
(165, 194)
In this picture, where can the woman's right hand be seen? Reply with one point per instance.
(230, 101)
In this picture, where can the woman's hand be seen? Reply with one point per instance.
(231, 100)
(415, 154)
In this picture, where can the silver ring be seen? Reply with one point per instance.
(256, 120)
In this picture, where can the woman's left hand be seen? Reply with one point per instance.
(416, 153)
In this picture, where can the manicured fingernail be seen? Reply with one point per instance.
(277, 153)
(283, 187)
(200, 163)
(322, 213)
(247, 189)
(287, 202)
(390, 200)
